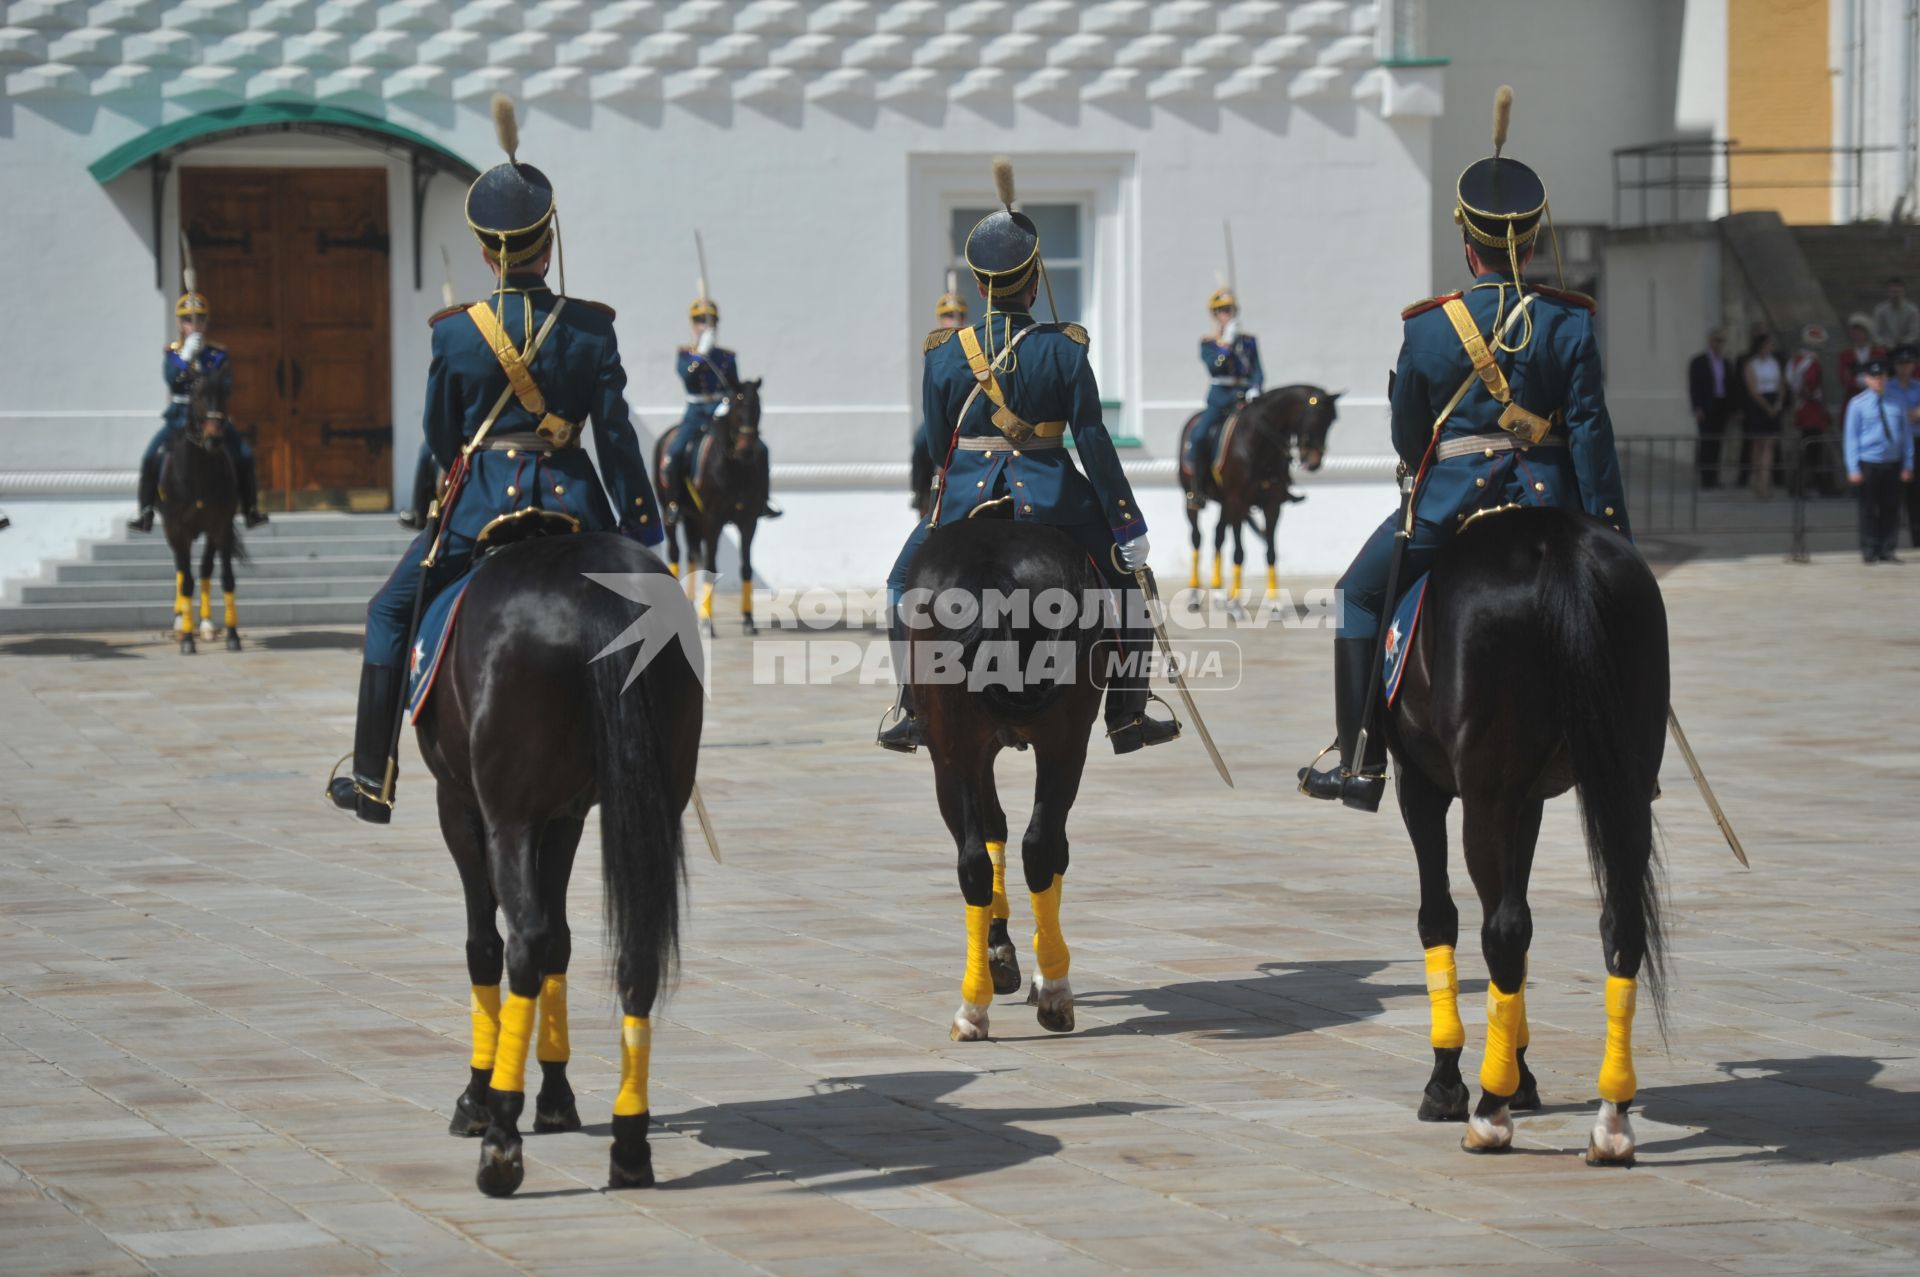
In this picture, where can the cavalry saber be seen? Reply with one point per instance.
(1233, 284)
(1706, 790)
(700, 251)
(706, 823)
(1150, 591)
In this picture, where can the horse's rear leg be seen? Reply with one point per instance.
(957, 767)
(206, 590)
(466, 839)
(1058, 764)
(746, 578)
(183, 595)
(513, 862)
(1193, 536)
(1270, 533)
(1500, 835)
(1624, 941)
(1003, 960)
(230, 607)
(1219, 547)
(1423, 805)
(710, 564)
(553, 1107)
(631, 1160)
(1235, 608)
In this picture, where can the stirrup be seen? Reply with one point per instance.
(1308, 769)
(360, 791)
(908, 741)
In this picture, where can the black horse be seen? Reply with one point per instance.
(199, 495)
(1035, 682)
(531, 723)
(1539, 665)
(1252, 473)
(731, 489)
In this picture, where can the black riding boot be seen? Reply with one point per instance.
(1128, 726)
(249, 492)
(149, 495)
(904, 736)
(1352, 668)
(372, 736)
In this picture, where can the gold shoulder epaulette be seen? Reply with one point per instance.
(1426, 304)
(1567, 295)
(459, 308)
(1075, 333)
(174, 346)
(936, 338)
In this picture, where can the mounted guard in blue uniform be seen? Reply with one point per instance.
(512, 380)
(1497, 402)
(1234, 375)
(193, 355)
(999, 399)
(710, 373)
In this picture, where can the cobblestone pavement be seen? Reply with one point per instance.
(232, 1026)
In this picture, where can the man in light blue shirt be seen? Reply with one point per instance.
(1904, 385)
(1879, 450)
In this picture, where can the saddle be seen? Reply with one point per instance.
(1204, 487)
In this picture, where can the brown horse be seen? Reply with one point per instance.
(968, 720)
(1252, 472)
(199, 495)
(729, 488)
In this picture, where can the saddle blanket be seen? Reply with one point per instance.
(1400, 637)
(430, 645)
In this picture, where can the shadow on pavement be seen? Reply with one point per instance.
(79, 649)
(1823, 1108)
(1286, 998)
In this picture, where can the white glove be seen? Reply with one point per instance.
(190, 348)
(1133, 554)
(705, 344)
(722, 408)
(1233, 331)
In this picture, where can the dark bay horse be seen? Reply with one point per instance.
(526, 729)
(199, 495)
(1026, 678)
(730, 489)
(1539, 665)
(1251, 475)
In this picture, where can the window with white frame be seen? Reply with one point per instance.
(1064, 247)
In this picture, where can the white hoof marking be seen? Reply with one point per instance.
(969, 1023)
(1611, 1142)
(1485, 1134)
(1053, 1001)
(206, 630)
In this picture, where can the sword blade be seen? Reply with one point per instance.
(700, 251)
(1233, 285)
(1706, 790)
(1150, 590)
(706, 823)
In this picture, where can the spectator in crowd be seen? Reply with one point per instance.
(1710, 390)
(1812, 460)
(1857, 356)
(1879, 448)
(1766, 383)
(1896, 321)
(1904, 386)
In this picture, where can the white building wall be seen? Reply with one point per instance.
(1664, 294)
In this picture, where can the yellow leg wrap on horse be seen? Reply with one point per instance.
(976, 986)
(1236, 578)
(1216, 571)
(1500, 1069)
(1443, 996)
(674, 568)
(206, 598)
(182, 601)
(516, 1031)
(997, 852)
(1617, 1083)
(1273, 581)
(483, 1005)
(746, 598)
(1193, 580)
(636, 1048)
(706, 601)
(232, 609)
(1049, 946)
(552, 1047)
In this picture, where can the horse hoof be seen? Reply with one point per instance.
(233, 641)
(501, 1170)
(206, 630)
(1052, 1001)
(1527, 1098)
(706, 629)
(1237, 611)
(1491, 1134)
(1611, 1141)
(1444, 1104)
(187, 645)
(747, 626)
(560, 1117)
(969, 1024)
(1003, 963)
(639, 1176)
(469, 1117)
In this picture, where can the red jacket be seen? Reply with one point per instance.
(1804, 382)
(1849, 364)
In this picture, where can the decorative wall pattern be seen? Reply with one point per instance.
(777, 53)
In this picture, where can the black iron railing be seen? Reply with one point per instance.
(1643, 174)
(1677, 487)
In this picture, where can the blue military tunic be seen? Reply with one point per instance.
(216, 365)
(579, 373)
(708, 379)
(1557, 376)
(1233, 371)
(1049, 380)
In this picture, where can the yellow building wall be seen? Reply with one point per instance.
(1779, 93)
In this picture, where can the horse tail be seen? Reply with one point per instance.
(1005, 623)
(1606, 630)
(642, 851)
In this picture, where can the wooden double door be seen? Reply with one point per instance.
(296, 268)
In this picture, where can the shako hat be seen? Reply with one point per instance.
(510, 206)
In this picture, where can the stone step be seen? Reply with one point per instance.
(87, 618)
(156, 585)
(142, 574)
(155, 550)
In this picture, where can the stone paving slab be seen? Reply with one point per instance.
(233, 1026)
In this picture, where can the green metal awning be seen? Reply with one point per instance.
(157, 148)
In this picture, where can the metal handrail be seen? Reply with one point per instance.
(1720, 152)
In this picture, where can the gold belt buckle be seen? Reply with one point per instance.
(1008, 423)
(557, 431)
(1518, 421)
